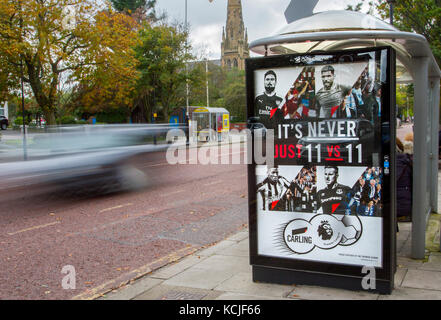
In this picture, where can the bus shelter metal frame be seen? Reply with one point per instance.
(420, 68)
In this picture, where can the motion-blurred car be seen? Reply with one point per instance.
(4, 122)
(80, 160)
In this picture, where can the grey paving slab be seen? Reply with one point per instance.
(403, 235)
(404, 226)
(422, 279)
(322, 293)
(433, 264)
(200, 278)
(233, 264)
(239, 249)
(239, 236)
(406, 249)
(216, 248)
(243, 283)
(399, 276)
(400, 245)
(173, 269)
(239, 296)
(406, 262)
(412, 294)
(211, 272)
(130, 291)
(165, 292)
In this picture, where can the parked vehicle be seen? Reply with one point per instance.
(36, 123)
(4, 122)
(258, 127)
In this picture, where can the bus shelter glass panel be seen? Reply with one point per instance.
(202, 120)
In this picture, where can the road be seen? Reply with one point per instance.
(109, 240)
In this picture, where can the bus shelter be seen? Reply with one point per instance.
(210, 124)
(415, 63)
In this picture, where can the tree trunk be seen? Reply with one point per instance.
(165, 114)
(45, 102)
(49, 116)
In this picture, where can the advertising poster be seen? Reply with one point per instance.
(322, 199)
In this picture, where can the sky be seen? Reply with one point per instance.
(206, 19)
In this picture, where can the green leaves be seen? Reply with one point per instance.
(162, 55)
(132, 5)
(423, 17)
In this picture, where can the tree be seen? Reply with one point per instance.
(234, 95)
(140, 10)
(110, 82)
(226, 90)
(39, 44)
(216, 78)
(423, 17)
(404, 99)
(8, 81)
(132, 5)
(163, 54)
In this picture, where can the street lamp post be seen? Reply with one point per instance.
(186, 45)
(391, 10)
(206, 80)
(25, 155)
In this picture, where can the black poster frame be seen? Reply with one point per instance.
(295, 271)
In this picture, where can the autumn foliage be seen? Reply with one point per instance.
(48, 42)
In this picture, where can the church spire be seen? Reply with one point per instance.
(235, 44)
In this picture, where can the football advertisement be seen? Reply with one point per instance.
(322, 199)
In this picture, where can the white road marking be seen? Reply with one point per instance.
(116, 207)
(212, 183)
(34, 228)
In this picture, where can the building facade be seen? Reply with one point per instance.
(234, 47)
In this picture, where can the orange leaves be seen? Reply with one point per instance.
(95, 51)
(112, 80)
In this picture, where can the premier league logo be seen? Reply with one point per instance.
(325, 230)
(322, 231)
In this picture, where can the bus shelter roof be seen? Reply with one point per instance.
(210, 110)
(341, 29)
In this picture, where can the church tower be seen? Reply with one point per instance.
(234, 45)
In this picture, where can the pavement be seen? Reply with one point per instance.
(223, 272)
